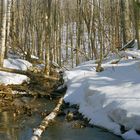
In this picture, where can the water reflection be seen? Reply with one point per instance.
(11, 129)
(20, 128)
(62, 130)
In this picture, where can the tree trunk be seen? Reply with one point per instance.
(123, 29)
(3, 34)
(136, 18)
(45, 123)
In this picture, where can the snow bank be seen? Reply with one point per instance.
(13, 78)
(134, 53)
(18, 64)
(131, 135)
(110, 98)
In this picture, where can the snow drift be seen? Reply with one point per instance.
(13, 78)
(110, 98)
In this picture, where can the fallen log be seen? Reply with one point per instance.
(13, 70)
(48, 119)
(130, 44)
(28, 73)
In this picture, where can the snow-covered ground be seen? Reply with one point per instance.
(18, 64)
(110, 98)
(12, 78)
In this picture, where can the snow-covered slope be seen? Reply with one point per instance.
(18, 64)
(110, 98)
(12, 78)
(7, 78)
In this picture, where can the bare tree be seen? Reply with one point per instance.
(136, 20)
(5, 28)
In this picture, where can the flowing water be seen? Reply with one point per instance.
(19, 127)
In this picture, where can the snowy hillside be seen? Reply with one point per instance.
(109, 99)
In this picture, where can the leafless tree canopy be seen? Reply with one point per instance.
(63, 30)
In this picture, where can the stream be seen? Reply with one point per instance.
(18, 125)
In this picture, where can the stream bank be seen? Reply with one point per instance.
(23, 111)
(20, 125)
